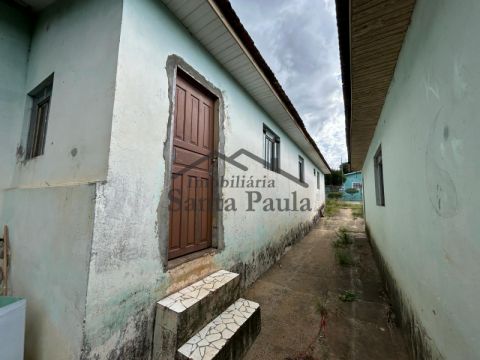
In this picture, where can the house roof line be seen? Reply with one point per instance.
(343, 26)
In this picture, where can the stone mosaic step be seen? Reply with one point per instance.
(227, 337)
(182, 314)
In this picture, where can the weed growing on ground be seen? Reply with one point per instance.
(344, 257)
(348, 296)
(343, 239)
(357, 208)
(323, 311)
(357, 212)
(321, 307)
(332, 207)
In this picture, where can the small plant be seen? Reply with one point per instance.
(332, 207)
(335, 195)
(357, 212)
(343, 229)
(348, 296)
(323, 311)
(357, 208)
(343, 239)
(351, 191)
(321, 307)
(344, 257)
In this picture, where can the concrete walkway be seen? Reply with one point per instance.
(308, 281)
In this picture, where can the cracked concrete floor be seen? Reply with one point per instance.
(308, 275)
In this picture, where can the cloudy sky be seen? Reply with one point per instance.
(298, 39)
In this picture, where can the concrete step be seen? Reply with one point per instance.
(227, 337)
(182, 314)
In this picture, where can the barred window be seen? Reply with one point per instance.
(271, 144)
(301, 169)
(357, 185)
(39, 118)
(379, 190)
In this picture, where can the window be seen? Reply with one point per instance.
(318, 180)
(357, 185)
(378, 163)
(301, 169)
(39, 118)
(271, 145)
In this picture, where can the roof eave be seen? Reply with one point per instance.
(231, 45)
(343, 25)
(371, 35)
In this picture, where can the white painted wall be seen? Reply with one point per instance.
(48, 202)
(428, 231)
(126, 271)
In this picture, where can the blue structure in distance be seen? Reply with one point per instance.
(353, 180)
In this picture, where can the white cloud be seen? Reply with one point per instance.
(298, 39)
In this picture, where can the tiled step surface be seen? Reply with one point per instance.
(228, 336)
(182, 314)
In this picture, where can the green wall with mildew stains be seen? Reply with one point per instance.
(429, 130)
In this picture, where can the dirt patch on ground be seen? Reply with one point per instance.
(314, 308)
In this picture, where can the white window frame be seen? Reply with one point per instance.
(359, 185)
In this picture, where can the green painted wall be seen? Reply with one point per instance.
(127, 243)
(84, 217)
(429, 230)
(15, 29)
(355, 177)
(48, 202)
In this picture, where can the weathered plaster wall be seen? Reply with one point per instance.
(78, 42)
(15, 27)
(50, 234)
(126, 270)
(428, 231)
(48, 202)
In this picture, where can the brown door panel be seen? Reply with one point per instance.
(190, 159)
(192, 182)
(190, 147)
(180, 169)
(190, 213)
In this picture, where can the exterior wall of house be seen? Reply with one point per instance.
(48, 202)
(15, 28)
(127, 271)
(351, 178)
(428, 231)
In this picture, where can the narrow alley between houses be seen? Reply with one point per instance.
(221, 179)
(325, 299)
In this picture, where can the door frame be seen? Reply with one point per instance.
(177, 64)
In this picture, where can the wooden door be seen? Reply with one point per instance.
(192, 169)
